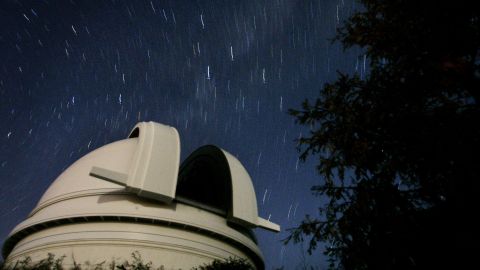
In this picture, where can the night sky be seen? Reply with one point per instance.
(77, 75)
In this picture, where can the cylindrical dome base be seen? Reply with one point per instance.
(106, 242)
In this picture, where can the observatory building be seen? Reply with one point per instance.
(133, 195)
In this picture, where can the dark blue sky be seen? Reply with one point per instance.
(77, 75)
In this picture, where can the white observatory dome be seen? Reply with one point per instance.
(132, 195)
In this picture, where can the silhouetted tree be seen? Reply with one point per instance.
(399, 151)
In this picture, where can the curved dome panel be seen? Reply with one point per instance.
(214, 178)
(153, 170)
(75, 181)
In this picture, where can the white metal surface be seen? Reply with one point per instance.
(153, 171)
(142, 175)
(98, 242)
(244, 202)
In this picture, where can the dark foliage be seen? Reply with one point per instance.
(49, 263)
(230, 264)
(398, 151)
(137, 263)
